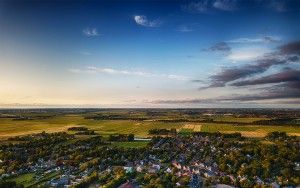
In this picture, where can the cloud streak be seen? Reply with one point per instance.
(285, 76)
(90, 32)
(97, 70)
(288, 91)
(222, 47)
(225, 5)
(265, 39)
(144, 21)
(286, 54)
(206, 6)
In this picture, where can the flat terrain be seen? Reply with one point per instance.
(10, 127)
(249, 130)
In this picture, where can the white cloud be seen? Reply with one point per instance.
(197, 7)
(93, 70)
(206, 6)
(79, 71)
(90, 32)
(226, 5)
(143, 20)
(265, 39)
(246, 54)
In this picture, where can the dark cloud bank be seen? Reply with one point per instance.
(284, 84)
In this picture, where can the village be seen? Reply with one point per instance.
(198, 160)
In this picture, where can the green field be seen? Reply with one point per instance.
(136, 144)
(236, 119)
(25, 179)
(28, 180)
(249, 130)
(10, 127)
(185, 132)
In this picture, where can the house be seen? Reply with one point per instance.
(128, 169)
(196, 181)
(152, 170)
(275, 185)
(168, 170)
(176, 165)
(139, 168)
(156, 166)
(208, 174)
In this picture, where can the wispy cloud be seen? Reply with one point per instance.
(144, 21)
(197, 7)
(205, 6)
(225, 5)
(262, 98)
(265, 39)
(90, 32)
(222, 47)
(208, 6)
(98, 70)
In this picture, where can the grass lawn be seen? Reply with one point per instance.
(24, 179)
(28, 180)
(185, 132)
(44, 179)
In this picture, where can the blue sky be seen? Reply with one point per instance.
(218, 53)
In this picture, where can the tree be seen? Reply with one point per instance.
(130, 137)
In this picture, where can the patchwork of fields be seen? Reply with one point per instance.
(10, 127)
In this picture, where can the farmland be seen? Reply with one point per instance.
(139, 122)
(9, 127)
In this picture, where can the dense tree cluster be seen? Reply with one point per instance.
(162, 131)
(121, 137)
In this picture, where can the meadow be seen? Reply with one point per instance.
(29, 179)
(10, 127)
(249, 130)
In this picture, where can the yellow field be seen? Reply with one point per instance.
(191, 127)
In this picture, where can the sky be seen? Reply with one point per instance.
(177, 54)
